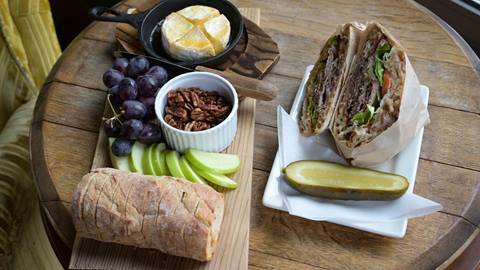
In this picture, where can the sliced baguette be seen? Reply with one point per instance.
(172, 215)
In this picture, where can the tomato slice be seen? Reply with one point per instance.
(387, 83)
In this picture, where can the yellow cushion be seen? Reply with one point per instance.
(16, 85)
(12, 36)
(33, 20)
(23, 241)
(33, 250)
(28, 50)
(15, 176)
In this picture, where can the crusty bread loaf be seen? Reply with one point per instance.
(172, 215)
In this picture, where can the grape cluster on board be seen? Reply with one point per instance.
(133, 85)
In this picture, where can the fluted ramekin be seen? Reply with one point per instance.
(214, 139)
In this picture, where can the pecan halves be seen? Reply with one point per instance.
(178, 112)
(198, 126)
(196, 101)
(193, 109)
(189, 126)
(186, 95)
(198, 114)
(172, 123)
(179, 98)
(171, 98)
(188, 106)
(218, 111)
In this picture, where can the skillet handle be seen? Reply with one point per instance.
(96, 13)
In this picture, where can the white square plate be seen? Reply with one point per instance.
(404, 163)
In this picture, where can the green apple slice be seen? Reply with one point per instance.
(213, 162)
(218, 179)
(189, 172)
(163, 163)
(135, 158)
(120, 163)
(158, 160)
(147, 160)
(173, 164)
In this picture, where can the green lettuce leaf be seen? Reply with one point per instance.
(364, 117)
(311, 111)
(378, 71)
(332, 40)
(378, 67)
(385, 48)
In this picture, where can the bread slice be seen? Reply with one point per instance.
(104, 215)
(105, 187)
(125, 184)
(89, 204)
(77, 203)
(134, 208)
(151, 212)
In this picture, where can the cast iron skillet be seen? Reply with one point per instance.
(149, 22)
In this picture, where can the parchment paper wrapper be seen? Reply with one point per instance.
(413, 116)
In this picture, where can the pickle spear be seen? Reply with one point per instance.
(340, 182)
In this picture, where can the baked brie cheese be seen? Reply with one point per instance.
(195, 32)
(199, 14)
(218, 32)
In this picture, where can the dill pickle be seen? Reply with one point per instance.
(341, 182)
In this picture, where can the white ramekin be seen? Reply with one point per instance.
(214, 139)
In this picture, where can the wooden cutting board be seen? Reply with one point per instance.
(232, 249)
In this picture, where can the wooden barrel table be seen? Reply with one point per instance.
(70, 106)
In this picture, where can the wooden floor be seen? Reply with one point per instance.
(449, 167)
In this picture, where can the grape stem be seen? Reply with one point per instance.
(116, 116)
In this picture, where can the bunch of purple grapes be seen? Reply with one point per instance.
(133, 85)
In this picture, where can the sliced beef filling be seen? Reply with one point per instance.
(322, 85)
(361, 87)
(328, 79)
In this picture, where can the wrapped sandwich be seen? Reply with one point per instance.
(372, 91)
(324, 82)
(378, 109)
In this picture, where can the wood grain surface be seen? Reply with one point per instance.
(65, 132)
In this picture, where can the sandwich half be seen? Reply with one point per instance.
(323, 85)
(372, 90)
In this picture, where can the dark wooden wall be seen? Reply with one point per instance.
(70, 17)
(462, 15)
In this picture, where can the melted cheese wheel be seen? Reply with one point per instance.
(218, 31)
(193, 45)
(175, 27)
(195, 32)
(198, 14)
